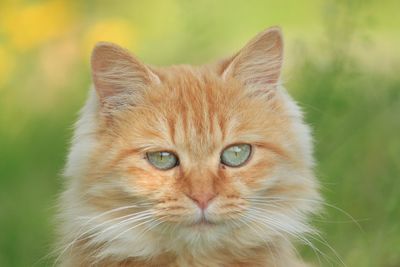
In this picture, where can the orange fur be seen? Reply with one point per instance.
(195, 112)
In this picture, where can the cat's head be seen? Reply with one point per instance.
(192, 154)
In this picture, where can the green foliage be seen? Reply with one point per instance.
(355, 116)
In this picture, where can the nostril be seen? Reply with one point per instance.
(202, 199)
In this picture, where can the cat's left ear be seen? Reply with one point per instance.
(258, 65)
(117, 73)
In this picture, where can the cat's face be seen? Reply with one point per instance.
(200, 152)
(194, 118)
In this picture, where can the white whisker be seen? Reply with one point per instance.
(79, 235)
(320, 202)
(268, 221)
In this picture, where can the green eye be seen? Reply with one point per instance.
(236, 155)
(162, 160)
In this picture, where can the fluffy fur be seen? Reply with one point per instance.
(118, 210)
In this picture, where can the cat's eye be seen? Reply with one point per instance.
(162, 160)
(236, 155)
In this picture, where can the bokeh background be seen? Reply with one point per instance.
(342, 65)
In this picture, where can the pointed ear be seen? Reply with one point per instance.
(116, 73)
(259, 63)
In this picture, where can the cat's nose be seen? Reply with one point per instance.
(202, 199)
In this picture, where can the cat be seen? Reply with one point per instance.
(188, 165)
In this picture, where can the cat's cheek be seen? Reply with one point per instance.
(145, 181)
(253, 176)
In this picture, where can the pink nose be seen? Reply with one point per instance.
(202, 199)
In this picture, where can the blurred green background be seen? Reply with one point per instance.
(342, 65)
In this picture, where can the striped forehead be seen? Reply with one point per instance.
(197, 119)
(194, 112)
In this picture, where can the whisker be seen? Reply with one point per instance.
(125, 222)
(281, 199)
(325, 243)
(271, 223)
(149, 228)
(130, 219)
(129, 229)
(266, 242)
(79, 235)
(303, 239)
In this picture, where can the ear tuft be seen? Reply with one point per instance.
(116, 72)
(259, 63)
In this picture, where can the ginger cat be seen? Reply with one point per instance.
(188, 165)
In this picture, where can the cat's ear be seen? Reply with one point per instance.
(117, 73)
(259, 63)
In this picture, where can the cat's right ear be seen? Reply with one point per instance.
(257, 65)
(116, 73)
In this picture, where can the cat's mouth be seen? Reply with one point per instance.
(203, 223)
